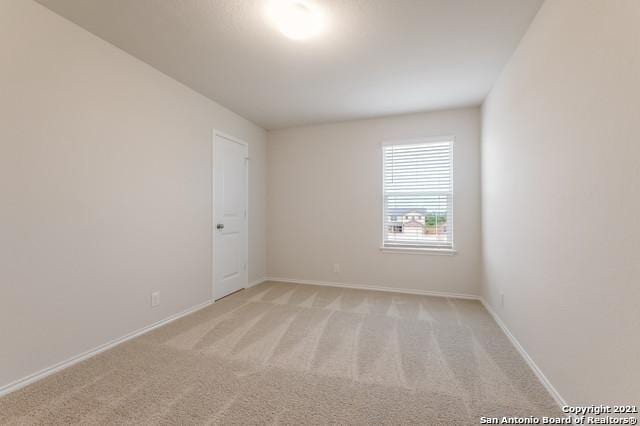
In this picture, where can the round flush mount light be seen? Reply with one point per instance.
(296, 19)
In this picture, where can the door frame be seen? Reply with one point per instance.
(214, 234)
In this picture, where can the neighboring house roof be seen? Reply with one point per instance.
(414, 224)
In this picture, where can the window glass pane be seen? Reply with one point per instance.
(418, 194)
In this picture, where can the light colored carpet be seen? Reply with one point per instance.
(298, 354)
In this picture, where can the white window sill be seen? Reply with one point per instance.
(418, 250)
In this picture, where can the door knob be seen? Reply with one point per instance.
(220, 226)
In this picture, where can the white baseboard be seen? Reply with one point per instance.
(20, 383)
(537, 371)
(256, 282)
(378, 288)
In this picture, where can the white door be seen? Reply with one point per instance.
(230, 216)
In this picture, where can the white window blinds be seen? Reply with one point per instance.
(418, 195)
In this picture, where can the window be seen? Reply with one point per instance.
(418, 194)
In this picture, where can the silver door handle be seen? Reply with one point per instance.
(220, 226)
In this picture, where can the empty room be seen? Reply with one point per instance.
(349, 212)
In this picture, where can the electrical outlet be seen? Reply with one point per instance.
(155, 299)
(336, 268)
(502, 299)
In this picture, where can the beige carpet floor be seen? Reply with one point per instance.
(297, 354)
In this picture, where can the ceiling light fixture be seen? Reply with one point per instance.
(296, 19)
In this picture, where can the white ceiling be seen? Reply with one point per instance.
(378, 57)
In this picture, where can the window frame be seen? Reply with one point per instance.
(386, 247)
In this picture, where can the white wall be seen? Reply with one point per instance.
(561, 191)
(105, 191)
(325, 204)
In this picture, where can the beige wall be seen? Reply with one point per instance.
(561, 184)
(105, 191)
(325, 204)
